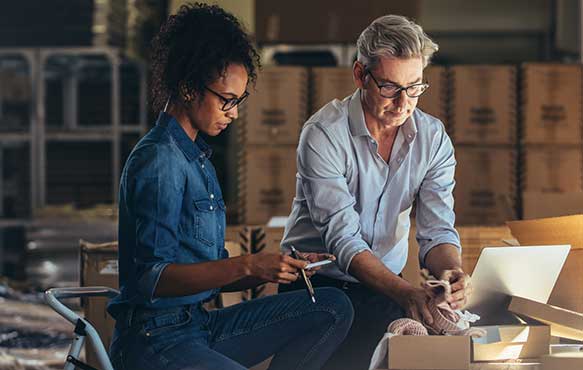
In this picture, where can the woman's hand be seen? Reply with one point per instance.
(274, 267)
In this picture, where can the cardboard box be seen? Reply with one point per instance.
(267, 183)
(567, 292)
(429, 352)
(485, 185)
(502, 365)
(552, 103)
(483, 104)
(507, 365)
(99, 267)
(509, 342)
(434, 100)
(563, 361)
(323, 21)
(539, 205)
(504, 342)
(329, 83)
(563, 323)
(276, 108)
(476, 238)
(553, 168)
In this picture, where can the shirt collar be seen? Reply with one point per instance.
(193, 150)
(356, 116)
(358, 124)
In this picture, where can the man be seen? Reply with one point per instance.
(172, 254)
(362, 162)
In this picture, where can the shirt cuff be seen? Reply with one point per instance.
(429, 245)
(149, 281)
(346, 253)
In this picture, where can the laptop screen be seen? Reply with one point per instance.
(524, 271)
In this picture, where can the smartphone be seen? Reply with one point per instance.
(318, 264)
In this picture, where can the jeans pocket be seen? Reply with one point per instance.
(167, 323)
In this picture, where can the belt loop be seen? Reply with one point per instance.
(130, 316)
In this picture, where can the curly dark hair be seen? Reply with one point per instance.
(193, 48)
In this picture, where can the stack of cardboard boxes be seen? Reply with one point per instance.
(329, 83)
(434, 100)
(483, 129)
(269, 133)
(552, 137)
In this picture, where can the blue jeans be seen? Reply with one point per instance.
(298, 333)
(373, 312)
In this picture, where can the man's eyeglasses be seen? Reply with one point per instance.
(229, 103)
(391, 91)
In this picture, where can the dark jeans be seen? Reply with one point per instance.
(373, 312)
(299, 333)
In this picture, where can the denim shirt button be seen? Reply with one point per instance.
(202, 165)
(211, 208)
(212, 196)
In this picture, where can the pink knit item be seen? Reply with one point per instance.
(407, 327)
(444, 318)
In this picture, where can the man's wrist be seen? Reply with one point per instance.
(400, 291)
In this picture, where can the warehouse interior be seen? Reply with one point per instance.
(506, 82)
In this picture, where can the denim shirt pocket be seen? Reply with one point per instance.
(206, 220)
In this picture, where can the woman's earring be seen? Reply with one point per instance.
(186, 96)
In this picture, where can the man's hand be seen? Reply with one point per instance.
(414, 302)
(461, 287)
(315, 257)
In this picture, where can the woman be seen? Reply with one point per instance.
(172, 223)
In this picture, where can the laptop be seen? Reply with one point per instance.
(501, 272)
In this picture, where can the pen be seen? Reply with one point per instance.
(309, 286)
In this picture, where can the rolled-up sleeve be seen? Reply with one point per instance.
(157, 211)
(322, 169)
(435, 216)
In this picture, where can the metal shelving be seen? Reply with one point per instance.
(17, 131)
(77, 95)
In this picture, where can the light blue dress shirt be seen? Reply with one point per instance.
(348, 199)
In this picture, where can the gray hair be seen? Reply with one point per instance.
(394, 36)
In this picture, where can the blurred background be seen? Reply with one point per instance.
(74, 74)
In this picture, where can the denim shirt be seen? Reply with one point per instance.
(171, 210)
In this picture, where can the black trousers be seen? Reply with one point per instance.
(373, 312)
